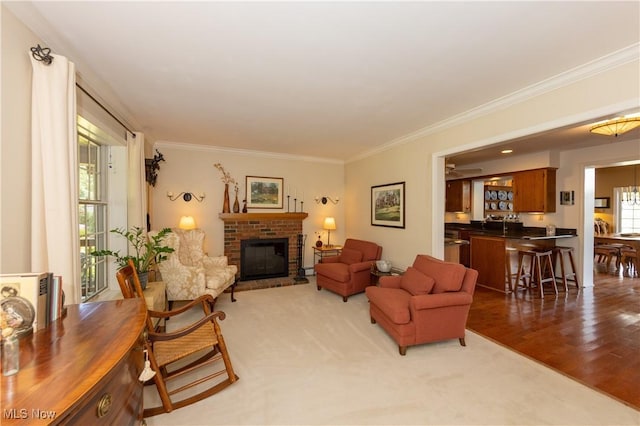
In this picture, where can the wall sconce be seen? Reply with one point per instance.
(186, 196)
(187, 222)
(324, 200)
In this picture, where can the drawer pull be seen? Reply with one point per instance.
(104, 405)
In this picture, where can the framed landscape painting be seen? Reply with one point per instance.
(264, 192)
(387, 205)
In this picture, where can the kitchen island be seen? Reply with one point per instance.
(494, 247)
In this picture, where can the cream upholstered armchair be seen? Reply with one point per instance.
(189, 273)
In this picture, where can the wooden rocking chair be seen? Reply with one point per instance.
(165, 349)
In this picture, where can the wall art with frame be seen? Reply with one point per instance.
(387, 205)
(264, 192)
(567, 198)
(601, 202)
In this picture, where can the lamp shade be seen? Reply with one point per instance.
(616, 126)
(187, 222)
(329, 223)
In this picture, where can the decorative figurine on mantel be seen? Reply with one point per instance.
(236, 203)
(226, 179)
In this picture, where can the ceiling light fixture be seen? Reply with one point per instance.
(631, 193)
(506, 151)
(616, 126)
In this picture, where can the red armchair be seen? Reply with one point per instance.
(428, 303)
(349, 273)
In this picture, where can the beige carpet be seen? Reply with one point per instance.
(305, 357)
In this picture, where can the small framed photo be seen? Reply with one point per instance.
(387, 205)
(601, 202)
(264, 192)
(567, 198)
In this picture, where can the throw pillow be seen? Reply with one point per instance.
(350, 256)
(415, 282)
(448, 276)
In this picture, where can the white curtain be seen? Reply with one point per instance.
(55, 243)
(137, 185)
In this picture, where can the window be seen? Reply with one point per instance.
(627, 215)
(101, 204)
(92, 213)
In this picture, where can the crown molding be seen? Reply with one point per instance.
(590, 69)
(245, 152)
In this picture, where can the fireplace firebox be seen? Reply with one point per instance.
(264, 258)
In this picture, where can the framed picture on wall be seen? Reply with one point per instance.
(387, 205)
(264, 192)
(601, 202)
(567, 198)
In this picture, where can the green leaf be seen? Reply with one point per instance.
(147, 251)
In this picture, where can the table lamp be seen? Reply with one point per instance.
(329, 224)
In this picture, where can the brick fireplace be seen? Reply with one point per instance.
(246, 226)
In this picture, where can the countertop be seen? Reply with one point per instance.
(454, 242)
(513, 231)
(547, 237)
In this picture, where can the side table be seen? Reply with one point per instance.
(325, 251)
(155, 295)
(375, 274)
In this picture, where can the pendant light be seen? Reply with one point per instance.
(631, 194)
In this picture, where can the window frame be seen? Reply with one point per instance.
(620, 207)
(109, 199)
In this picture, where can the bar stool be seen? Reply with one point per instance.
(524, 271)
(509, 274)
(541, 262)
(559, 252)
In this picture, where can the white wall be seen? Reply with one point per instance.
(409, 163)
(419, 161)
(15, 153)
(190, 168)
(580, 215)
(414, 162)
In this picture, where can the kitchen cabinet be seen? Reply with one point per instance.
(465, 252)
(458, 196)
(488, 258)
(535, 190)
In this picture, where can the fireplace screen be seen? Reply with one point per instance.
(264, 258)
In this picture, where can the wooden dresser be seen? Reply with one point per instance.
(82, 369)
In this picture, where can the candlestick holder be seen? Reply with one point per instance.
(295, 205)
(288, 196)
(301, 206)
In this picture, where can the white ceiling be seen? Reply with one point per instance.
(322, 79)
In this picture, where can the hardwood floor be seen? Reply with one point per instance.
(591, 335)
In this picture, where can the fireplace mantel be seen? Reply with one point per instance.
(262, 216)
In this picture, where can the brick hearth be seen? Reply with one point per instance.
(245, 226)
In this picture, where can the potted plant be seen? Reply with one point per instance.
(147, 251)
